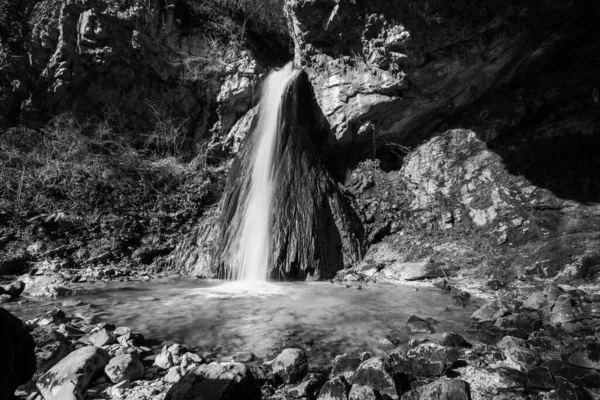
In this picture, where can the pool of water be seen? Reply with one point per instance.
(226, 318)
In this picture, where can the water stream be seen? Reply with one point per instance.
(322, 318)
(249, 260)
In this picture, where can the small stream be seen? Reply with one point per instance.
(226, 318)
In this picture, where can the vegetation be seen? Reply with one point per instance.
(83, 185)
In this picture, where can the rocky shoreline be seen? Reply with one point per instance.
(524, 343)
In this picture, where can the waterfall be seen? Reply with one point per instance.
(249, 260)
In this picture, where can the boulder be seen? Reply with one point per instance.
(376, 373)
(72, 375)
(103, 337)
(360, 392)
(16, 352)
(290, 366)
(587, 357)
(14, 290)
(417, 324)
(50, 347)
(423, 360)
(451, 339)
(519, 351)
(441, 389)
(346, 364)
(214, 381)
(337, 388)
(124, 367)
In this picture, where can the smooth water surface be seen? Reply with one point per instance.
(230, 317)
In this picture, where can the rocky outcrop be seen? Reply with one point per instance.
(396, 70)
(17, 354)
(315, 231)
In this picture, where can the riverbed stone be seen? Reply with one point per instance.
(17, 355)
(418, 324)
(124, 367)
(345, 364)
(376, 373)
(519, 351)
(337, 388)
(291, 365)
(540, 378)
(164, 360)
(490, 311)
(73, 373)
(213, 381)
(441, 389)
(360, 392)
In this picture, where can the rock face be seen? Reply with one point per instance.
(393, 69)
(73, 373)
(305, 196)
(16, 352)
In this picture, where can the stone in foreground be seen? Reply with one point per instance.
(290, 366)
(376, 373)
(335, 389)
(17, 358)
(124, 367)
(442, 389)
(359, 392)
(73, 373)
(214, 381)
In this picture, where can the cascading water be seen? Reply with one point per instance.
(249, 260)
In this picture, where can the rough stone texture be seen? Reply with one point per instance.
(332, 238)
(451, 339)
(213, 381)
(16, 352)
(124, 367)
(50, 347)
(394, 69)
(491, 310)
(443, 389)
(337, 388)
(376, 373)
(14, 290)
(423, 360)
(72, 375)
(588, 357)
(346, 364)
(360, 392)
(290, 366)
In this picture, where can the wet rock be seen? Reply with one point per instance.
(587, 357)
(495, 284)
(290, 366)
(131, 339)
(122, 330)
(103, 337)
(490, 311)
(50, 347)
(441, 389)
(451, 339)
(73, 373)
(376, 373)
(16, 352)
(243, 357)
(14, 290)
(124, 367)
(346, 364)
(337, 388)
(417, 324)
(213, 381)
(360, 392)
(53, 317)
(70, 331)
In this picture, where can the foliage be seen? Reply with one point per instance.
(85, 182)
(13, 23)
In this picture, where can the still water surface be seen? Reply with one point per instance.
(226, 318)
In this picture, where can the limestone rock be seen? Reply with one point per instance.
(73, 373)
(124, 367)
(346, 364)
(337, 388)
(360, 392)
(213, 381)
(442, 389)
(290, 365)
(17, 353)
(376, 373)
